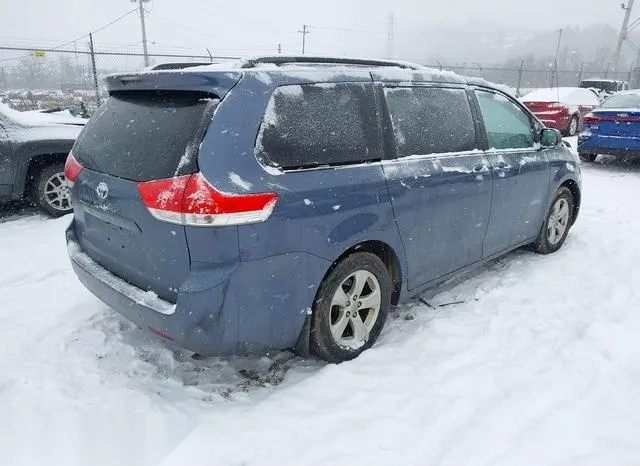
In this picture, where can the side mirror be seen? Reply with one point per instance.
(550, 137)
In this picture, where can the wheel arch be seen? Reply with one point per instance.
(388, 256)
(34, 165)
(572, 186)
(386, 253)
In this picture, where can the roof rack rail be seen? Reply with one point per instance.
(284, 60)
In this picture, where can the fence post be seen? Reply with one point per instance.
(93, 69)
(580, 73)
(520, 71)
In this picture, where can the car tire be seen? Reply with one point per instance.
(50, 192)
(557, 223)
(588, 157)
(350, 308)
(573, 127)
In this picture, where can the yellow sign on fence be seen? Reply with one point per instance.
(38, 53)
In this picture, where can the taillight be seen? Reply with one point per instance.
(557, 106)
(72, 169)
(191, 200)
(590, 119)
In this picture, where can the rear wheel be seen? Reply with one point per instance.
(557, 223)
(588, 157)
(50, 191)
(351, 308)
(573, 126)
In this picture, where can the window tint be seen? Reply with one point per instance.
(319, 124)
(430, 120)
(508, 127)
(143, 136)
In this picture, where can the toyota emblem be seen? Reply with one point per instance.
(103, 190)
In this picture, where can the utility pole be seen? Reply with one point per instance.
(520, 71)
(144, 30)
(390, 34)
(304, 32)
(624, 31)
(580, 73)
(93, 69)
(555, 61)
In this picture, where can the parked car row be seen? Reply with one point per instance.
(288, 202)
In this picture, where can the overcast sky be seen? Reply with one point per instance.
(242, 26)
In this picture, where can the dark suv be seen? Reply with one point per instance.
(288, 202)
(33, 149)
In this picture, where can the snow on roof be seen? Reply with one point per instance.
(567, 95)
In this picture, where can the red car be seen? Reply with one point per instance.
(562, 108)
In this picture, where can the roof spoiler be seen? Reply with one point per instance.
(218, 83)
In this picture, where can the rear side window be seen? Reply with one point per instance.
(507, 125)
(319, 124)
(143, 136)
(430, 120)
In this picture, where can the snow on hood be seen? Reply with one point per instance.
(44, 132)
(36, 118)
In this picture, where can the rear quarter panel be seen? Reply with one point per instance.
(320, 213)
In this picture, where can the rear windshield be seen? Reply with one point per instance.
(622, 101)
(143, 136)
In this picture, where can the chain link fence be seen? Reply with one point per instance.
(37, 79)
(70, 79)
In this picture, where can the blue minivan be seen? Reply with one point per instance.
(288, 202)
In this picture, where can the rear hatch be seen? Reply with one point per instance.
(138, 136)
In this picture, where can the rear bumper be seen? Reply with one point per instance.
(245, 308)
(609, 145)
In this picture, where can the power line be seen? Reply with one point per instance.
(192, 30)
(359, 31)
(76, 39)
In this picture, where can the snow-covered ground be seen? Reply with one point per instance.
(537, 364)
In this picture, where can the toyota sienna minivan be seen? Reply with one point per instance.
(288, 202)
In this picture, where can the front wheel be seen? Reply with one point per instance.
(351, 308)
(557, 223)
(50, 191)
